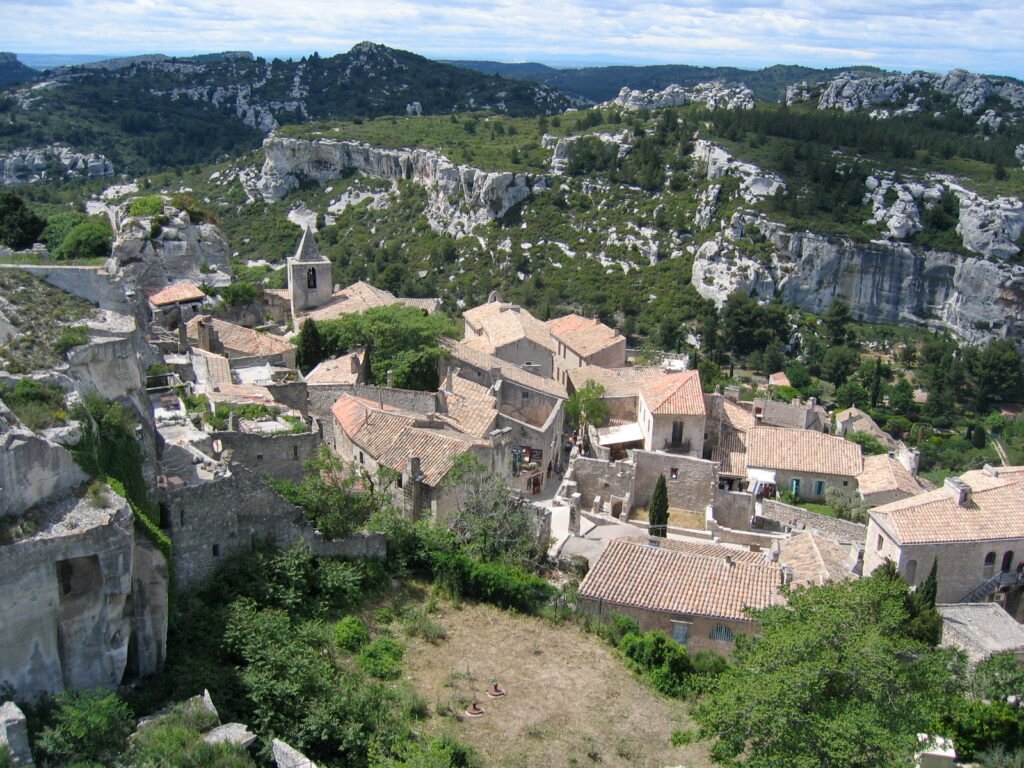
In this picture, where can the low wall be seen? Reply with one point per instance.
(93, 284)
(778, 517)
(733, 509)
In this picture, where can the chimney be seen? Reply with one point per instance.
(728, 560)
(380, 397)
(441, 398)
(391, 379)
(355, 362)
(495, 375)
(449, 380)
(960, 490)
(787, 574)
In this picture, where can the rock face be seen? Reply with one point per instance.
(976, 299)
(29, 165)
(69, 613)
(715, 95)
(560, 146)
(14, 733)
(969, 93)
(180, 250)
(461, 197)
(755, 184)
(288, 757)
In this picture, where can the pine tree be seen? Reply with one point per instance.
(310, 349)
(657, 513)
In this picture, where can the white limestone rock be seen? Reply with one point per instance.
(288, 757)
(230, 733)
(990, 227)
(14, 734)
(560, 147)
(755, 184)
(29, 165)
(716, 95)
(460, 197)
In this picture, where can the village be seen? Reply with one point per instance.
(683, 509)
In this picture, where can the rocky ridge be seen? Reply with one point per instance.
(969, 93)
(715, 95)
(30, 165)
(460, 197)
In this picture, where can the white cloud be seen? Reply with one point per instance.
(926, 34)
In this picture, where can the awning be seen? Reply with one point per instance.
(765, 476)
(617, 435)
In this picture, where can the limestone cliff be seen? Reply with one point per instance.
(885, 282)
(715, 95)
(28, 165)
(461, 197)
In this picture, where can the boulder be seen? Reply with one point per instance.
(14, 734)
(230, 733)
(287, 757)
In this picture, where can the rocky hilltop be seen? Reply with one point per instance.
(29, 165)
(461, 197)
(715, 95)
(990, 99)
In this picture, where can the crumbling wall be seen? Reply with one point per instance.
(596, 478)
(68, 612)
(94, 284)
(32, 469)
(321, 398)
(278, 456)
(692, 489)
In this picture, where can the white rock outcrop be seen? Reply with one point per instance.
(14, 734)
(460, 197)
(715, 95)
(755, 184)
(29, 165)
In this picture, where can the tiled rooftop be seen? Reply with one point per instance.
(583, 335)
(485, 362)
(678, 394)
(814, 559)
(802, 450)
(500, 324)
(361, 296)
(883, 474)
(617, 382)
(176, 293)
(337, 370)
(995, 511)
(674, 580)
(235, 338)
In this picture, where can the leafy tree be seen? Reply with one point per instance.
(490, 522)
(851, 393)
(998, 677)
(995, 371)
(773, 358)
(19, 226)
(58, 225)
(869, 444)
(89, 240)
(929, 590)
(838, 363)
(836, 322)
(85, 726)
(901, 397)
(398, 338)
(743, 326)
(657, 511)
(834, 681)
(798, 376)
(309, 350)
(586, 406)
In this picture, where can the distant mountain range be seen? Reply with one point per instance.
(599, 84)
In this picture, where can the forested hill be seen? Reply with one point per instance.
(150, 112)
(599, 84)
(13, 71)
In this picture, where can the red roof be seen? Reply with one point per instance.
(177, 293)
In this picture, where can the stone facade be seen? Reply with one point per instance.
(691, 483)
(281, 457)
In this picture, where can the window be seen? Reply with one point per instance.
(721, 632)
(360, 457)
(1007, 562)
(878, 544)
(311, 278)
(674, 473)
(216, 550)
(846, 482)
(399, 481)
(911, 572)
(794, 486)
(677, 432)
(681, 631)
(181, 518)
(259, 457)
(526, 395)
(819, 487)
(295, 451)
(990, 565)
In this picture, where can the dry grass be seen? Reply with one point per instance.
(570, 702)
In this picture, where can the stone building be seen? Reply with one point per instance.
(980, 630)
(973, 526)
(242, 346)
(309, 277)
(177, 303)
(696, 593)
(855, 421)
(510, 333)
(581, 341)
(792, 415)
(891, 476)
(805, 462)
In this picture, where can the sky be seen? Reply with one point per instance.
(935, 35)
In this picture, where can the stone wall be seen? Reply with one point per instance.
(778, 517)
(693, 488)
(84, 602)
(596, 478)
(94, 284)
(321, 398)
(278, 456)
(733, 509)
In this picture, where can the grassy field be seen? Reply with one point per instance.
(570, 701)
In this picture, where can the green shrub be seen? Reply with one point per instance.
(660, 659)
(37, 405)
(89, 240)
(6, 759)
(150, 205)
(382, 658)
(981, 725)
(616, 628)
(350, 634)
(73, 336)
(418, 623)
(84, 726)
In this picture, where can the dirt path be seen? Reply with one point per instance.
(570, 701)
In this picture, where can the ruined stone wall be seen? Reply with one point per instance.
(776, 516)
(278, 456)
(733, 509)
(693, 488)
(321, 398)
(84, 602)
(595, 477)
(293, 394)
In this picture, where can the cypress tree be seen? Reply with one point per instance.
(310, 347)
(657, 513)
(930, 587)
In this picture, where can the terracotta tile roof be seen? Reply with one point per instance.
(243, 341)
(435, 448)
(789, 415)
(802, 450)
(617, 382)
(180, 292)
(217, 367)
(704, 549)
(671, 580)
(779, 379)
(883, 474)
(485, 362)
(585, 336)
(500, 324)
(350, 412)
(859, 421)
(361, 296)
(731, 453)
(337, 370)
(814, 559)
(471, 408)
(241, 394)
(994, 512)
(675, 394)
